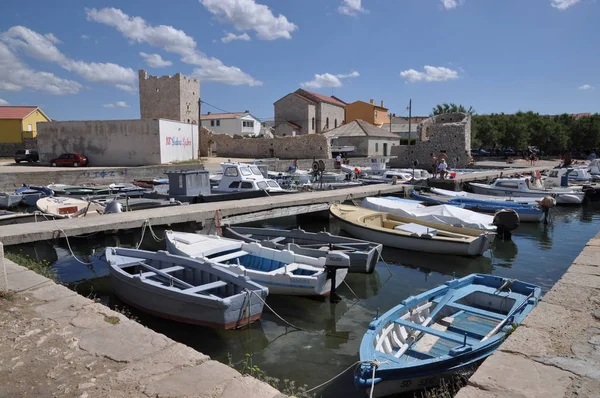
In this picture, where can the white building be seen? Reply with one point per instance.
(120, 142)
(240, 123)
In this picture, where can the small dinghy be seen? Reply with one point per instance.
(184, 289)
(410, 234)
(440, 332)
(363, 255)
(282, 271)
(9, 200)
(30, 195)
(66, 207)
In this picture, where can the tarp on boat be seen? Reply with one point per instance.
(445, 214)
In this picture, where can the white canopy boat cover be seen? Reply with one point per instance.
(445, 214)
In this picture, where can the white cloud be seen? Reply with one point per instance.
(84, 37)
(118, 104)
(155, 60)
(328, 80)
(174, 41)
(52, 38)
(431, 74)
(3, 102)
(351, 7)
(42, 48)
(586, 87)
(232, 36)
(247, 15)
(127, 88)
(450, 4)
(16, 76)
(563, 4)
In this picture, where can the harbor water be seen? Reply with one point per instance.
(330, 334)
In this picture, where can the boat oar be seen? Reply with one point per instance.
(426, 322)
(508, 316)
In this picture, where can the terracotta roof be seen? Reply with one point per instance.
(320, 97)
(339, 99)
(294, 125)
(580, 115)
(359, 128)
(233, 115)
(304, 98)
(15, 112)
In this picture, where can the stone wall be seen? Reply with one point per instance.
(292, 108)
(449, 133)
(300, 147)
(166, 97)
(8, 149)
(327, 112)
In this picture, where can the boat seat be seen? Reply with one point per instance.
(205, 287)
(476, 311)
(225, 257)
(165, 270)
(426, 329)
(277, 240)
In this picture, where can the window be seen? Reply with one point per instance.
(327, 123)
(231, 172)
(262, 185)
(273, 184)
(188, 107)
(313, 123)
(376, 147)
(29, 127)
(255, 170)
(335, 123)
(248, 123)
(212, 123)
(218, 122)
(157, 90)
(511, 185)
(247, 185)
(188, 120)
(234, 185)
(245, 171)
(180, 181)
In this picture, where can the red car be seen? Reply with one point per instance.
(69, 159)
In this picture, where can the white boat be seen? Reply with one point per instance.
(445, 214)
(524, 187)
(282, 271)
(244, 177)
(183, 289)
(68, 207)
(523, 200)
(561, 177)
(9, 200)
(409, 234)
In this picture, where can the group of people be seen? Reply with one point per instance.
(439, 165)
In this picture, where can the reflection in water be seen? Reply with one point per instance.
(537, 253)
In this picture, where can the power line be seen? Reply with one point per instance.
(216, 107)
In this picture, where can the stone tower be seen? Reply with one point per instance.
(166, 97)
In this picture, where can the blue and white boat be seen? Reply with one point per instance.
(527, 208)
(282, 271)
(442, 331)
(183, 289)
(30, 194)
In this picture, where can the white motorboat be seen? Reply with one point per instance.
(68, 207)
(525, 187)
(409, 234)
(445, 214)
(561, 177)
(524, 200)
(282, 271)
(244, 177)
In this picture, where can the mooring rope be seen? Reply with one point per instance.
(354, 365)
(58, 229)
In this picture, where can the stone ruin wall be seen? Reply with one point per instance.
(8, 149)
(166, 97)
(450, 132)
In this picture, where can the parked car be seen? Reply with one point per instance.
(69, 159)
(27, 155)
(510, 152)
(479, 152)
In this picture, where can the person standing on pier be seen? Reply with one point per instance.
(442, 168)
(433, 164)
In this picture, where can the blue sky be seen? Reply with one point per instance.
(79, 60)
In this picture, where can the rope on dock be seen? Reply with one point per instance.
(58, 229)
(354, 365)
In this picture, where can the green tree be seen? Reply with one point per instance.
(451, 108)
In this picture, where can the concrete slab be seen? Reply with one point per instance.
(515, 376)
(573, 297)
(92, 316)
(589, 256)
(582, 279)
(529, 342)
(175, 356)
(248, 387)
(585, 269)
(52, 292)
(203, 380)
(66, 307)
(11, 267)
(124, 342)
(21, 281)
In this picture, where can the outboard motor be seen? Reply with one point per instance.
(506, 221)
(546, 204)
(336, 263)
(113, 207)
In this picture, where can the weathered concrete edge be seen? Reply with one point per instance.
(553, 353)
(58, 301)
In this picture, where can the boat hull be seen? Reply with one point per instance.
(564, 198)
(475, 248)
(10, 200)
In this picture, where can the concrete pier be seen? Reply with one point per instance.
(456, 184)
(56, 343)
(556, 351)
(32, 232)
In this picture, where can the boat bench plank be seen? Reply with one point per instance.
(426, 329)
(278, 239)
(165, 270)
(229, 256)
(208, 286)
(476, 311)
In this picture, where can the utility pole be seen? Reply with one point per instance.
(409, 121)
(199, 129)
(390, 122)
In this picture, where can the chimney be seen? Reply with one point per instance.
(382, 103)
(246, 111)
(208, 113)
(372, 101)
